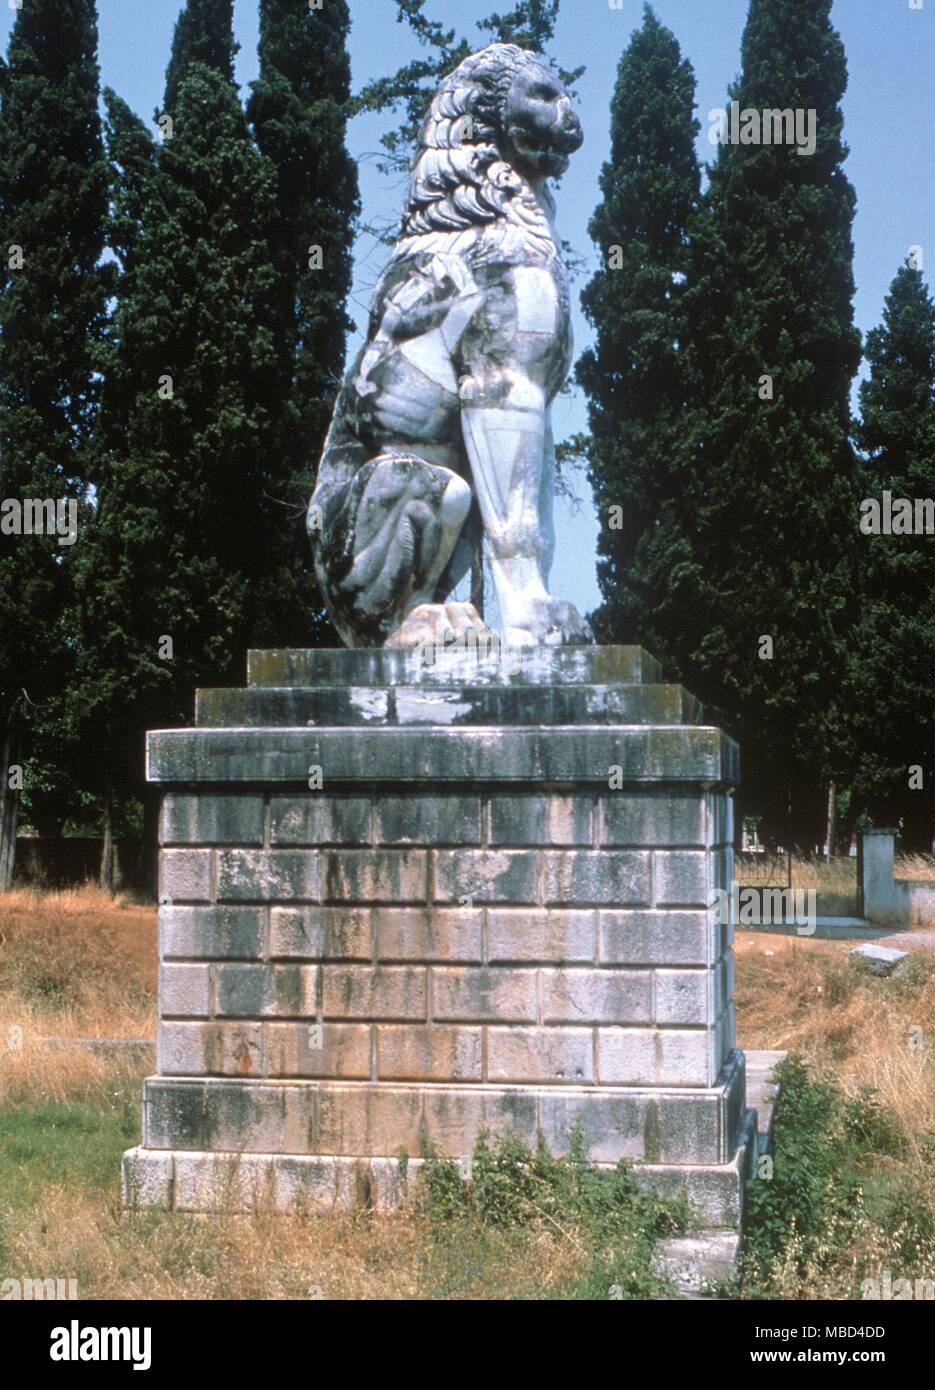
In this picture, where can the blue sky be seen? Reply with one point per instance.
(889, 126)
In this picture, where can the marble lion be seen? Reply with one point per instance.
(441, 433)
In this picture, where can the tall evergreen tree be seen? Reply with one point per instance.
(182, 569)
(53, 290)
(299, 112)
(204, 33)
(754, 576)
(896, 636)
(636, 375)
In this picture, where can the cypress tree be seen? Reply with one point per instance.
(760, 603)
(636, 375)
(204, 33)
(53, 186)
(299, 111)
(182, 567)
(893, 707)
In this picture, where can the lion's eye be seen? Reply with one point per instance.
(541, 92)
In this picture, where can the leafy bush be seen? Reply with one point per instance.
(602, 1212)
(826, 1146)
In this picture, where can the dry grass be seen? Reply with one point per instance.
(805, 996)
(76, 963)
(159, 1256)
(916, 866)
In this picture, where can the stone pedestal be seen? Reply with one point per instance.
(409, 899)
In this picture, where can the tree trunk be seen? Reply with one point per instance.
(107, 851)
(832, 815)
(4, 794)
(150, 842)
(10, 814)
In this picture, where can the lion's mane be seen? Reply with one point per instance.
(460, 180)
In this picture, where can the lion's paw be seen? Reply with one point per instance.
(551, 623)
(439, 625)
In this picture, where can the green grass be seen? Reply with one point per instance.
(514, 1194)
(846, 1198)
(69, 1143)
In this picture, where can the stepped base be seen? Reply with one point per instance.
(216, 1181)
(408, 897)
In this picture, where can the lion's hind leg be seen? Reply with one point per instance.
(385, 539)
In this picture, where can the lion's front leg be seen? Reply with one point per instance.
(508, 439)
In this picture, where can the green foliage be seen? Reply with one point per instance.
(740, 512)
(613, 1226)
(771, 507)
(53, 190)
(896, 634)
(184, 539)
(825, 1146)
(298, 110)
(635, 376)
(204, 33)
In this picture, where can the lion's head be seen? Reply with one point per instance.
(500, 123)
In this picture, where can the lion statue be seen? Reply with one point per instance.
(441, 435)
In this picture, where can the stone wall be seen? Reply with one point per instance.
(447, 937)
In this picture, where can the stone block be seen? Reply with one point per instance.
(362, 1120)
(485, 876)
(541, 820)
(212, 933)
(267, 875)
(258, 1117)
(428, 934)
(266, 991)
(455, 1116)
(478, 665)
(582, 877)
(147, 1179)
(374, 876)
(680, 879)
(606, 995)
(427, 819)
(580, 756)
(373, 992)
(185, 991)
(652, 818)
(326, 1049)
(225, 818)
(525, 935)
(657, 938)
(320, 818)
(481, 995)
(656, 1057)
(203, 1049)
(685, 997)
(436, 1052)
(318, 933)
(184, 875)
(173, 1114)
(540, 1054)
